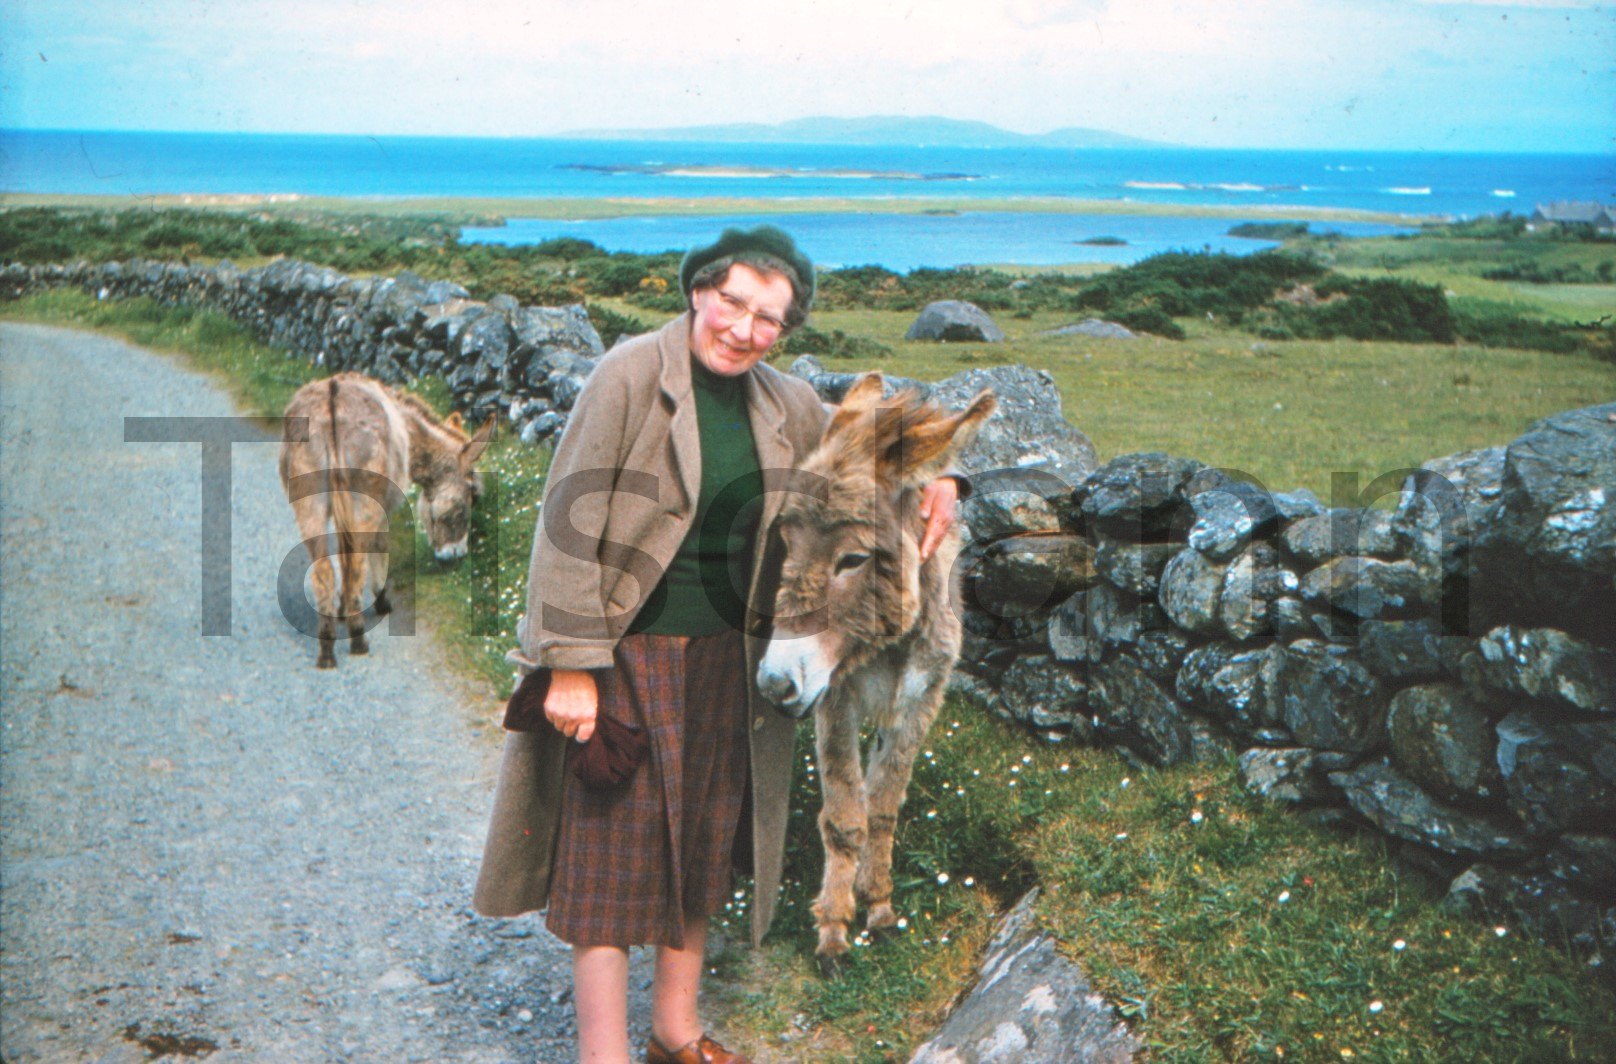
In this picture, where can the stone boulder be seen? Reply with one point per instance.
(1330, 701)
(1559, 776)
(1341, 532)
(1366, 588)
(1027, 431)
(1095, 327)
(954, 321)
(1399, 808)
(1046, 694)
(1030, 1005)
(1442, 737)
(1547, 664)
(1132, 711)
(1025, 577)
(1192, 591)
(1292, 774)
(1143, 497)
(1559, 492)
(1227, 515)
(1239, 688)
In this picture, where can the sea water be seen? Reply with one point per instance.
(1428, 184)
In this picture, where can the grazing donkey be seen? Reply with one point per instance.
(865, 633)
(364, 439)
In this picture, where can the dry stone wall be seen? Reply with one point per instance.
(1433, 654)
(498, 357)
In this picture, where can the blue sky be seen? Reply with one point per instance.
(1341, 74)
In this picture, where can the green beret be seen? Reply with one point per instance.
(741, 243)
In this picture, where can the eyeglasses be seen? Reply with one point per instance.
(732, 310)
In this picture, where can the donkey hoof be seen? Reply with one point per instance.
(326, 661)
(832, 965)
(383, 604)
(358, 646)
(883, 918)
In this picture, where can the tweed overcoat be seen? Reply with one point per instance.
(619, 499)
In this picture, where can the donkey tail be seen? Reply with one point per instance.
(337, 478)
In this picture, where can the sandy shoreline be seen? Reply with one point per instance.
(482, 209)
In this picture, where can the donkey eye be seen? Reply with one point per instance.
(851, 561)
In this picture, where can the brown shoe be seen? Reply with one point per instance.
(702, 1051)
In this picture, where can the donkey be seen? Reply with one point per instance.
(865, 634)
(349, 470)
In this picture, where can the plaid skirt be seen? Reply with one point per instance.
(632, 865)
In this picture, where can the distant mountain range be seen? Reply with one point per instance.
(880, 129)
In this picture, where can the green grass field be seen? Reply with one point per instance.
(1221, 927)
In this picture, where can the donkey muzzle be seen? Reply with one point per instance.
(792, 677)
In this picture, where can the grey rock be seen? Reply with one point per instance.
(1227, 515)
(1134, 567)
(1095, 327)
(1559, 491)
(1330, 700)
(1237, 687)
(1559, 777)
(1341, 532)
(1161, 652)
(1192, 590)
(1012, 501)
(1025, 577)
(1026, 431)
(1044, 693)
(954, 321)
(1398, 807)
(1547, 664)
(485, 342)
(1133, 712)
(1141, 497)
(1542, 905)
(1068, 630)
(1443, 739)
(1401, 650)
(1251, 584)
(1300, 503)
(1587, 862)
(1447, 501)
(1292, 774)
(1366, 588)
(1030, 1005)
(1117, 619)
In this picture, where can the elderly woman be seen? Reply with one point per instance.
(645, 585)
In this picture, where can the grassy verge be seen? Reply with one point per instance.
(482, 210)
(1222, 927)
(1289, 413)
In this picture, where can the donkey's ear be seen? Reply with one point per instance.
(865, 392)
(454, 421)
(475, 446)
(930, 445)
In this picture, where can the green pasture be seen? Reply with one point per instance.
(1222, 927)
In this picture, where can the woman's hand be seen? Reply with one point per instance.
(937, 508)
(571, 703)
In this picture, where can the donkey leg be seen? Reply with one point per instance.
(311, 514)
(325, 602)
(379, 572)
(842, 829)
(353, 585)
(886, 784)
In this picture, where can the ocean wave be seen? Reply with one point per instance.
(1398, 190)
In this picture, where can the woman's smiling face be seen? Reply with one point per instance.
(738, 319)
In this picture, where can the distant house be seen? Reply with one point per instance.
(1575, 212)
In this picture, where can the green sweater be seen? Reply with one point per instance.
(704, 590)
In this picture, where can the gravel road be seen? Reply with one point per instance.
(207, 846)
